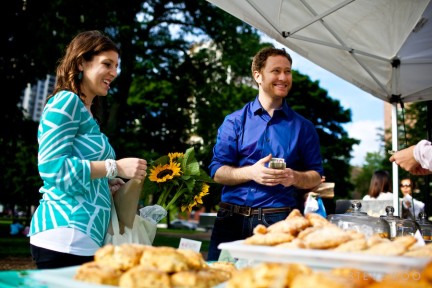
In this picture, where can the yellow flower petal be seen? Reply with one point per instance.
(163, 173)
(175, 156)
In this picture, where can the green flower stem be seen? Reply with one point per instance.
(146, 196)
(164, 195)
(176, 196)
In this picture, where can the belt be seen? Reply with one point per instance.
(248, 211)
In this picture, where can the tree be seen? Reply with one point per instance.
(180, 59)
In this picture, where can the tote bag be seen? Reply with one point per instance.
(136, 234)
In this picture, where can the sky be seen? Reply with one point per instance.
(367, 111)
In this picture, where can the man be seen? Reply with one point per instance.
(247, 140)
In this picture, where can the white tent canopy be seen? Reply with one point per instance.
(384, 47)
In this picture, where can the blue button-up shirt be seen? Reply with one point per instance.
(250, 134)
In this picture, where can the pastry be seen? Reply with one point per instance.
(143, 277)
(166, 259)
(294, 244)
(322, 280)
(225, 266)
(291, 225)
(268, 275)
(386, 249)
(205, 278)
(269, 239)
(195, 260)
(98, 273)
(352, 246)
(122, 257)
(326, 237)
(317, 220)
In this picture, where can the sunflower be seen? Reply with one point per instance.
(197, 198)
(176, 179)
(163, 173)
(174, 157)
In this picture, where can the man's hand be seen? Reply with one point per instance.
(267, 176)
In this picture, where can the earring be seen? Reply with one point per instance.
(80, 75)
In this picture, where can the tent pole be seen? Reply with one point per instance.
(427, 192)
(394, 166)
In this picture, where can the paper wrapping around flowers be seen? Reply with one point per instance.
(126, 202)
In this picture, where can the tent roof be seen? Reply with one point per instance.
(383, 47)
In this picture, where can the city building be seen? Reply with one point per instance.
(35, 95)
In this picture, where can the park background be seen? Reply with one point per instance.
(184, 66)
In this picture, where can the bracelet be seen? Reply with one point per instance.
(111, 168)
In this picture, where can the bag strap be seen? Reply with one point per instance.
(114, 219)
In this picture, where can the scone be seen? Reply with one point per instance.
(165, 259)
(205, 278)
(122, 257)
(194, 259)
(322, 280)
(225, 266)
(98, 273)
(268, 275)
(143, 277)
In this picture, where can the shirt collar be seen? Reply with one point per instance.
(259, 110)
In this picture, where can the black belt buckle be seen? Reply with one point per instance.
(245, 211)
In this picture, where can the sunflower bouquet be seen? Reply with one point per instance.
(177, 179)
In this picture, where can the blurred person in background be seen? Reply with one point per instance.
(380, 187)
(411, 206)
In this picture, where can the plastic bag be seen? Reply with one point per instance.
(143, 230)
(314, 204)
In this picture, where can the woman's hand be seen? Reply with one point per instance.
(132, 168)
(115, 184)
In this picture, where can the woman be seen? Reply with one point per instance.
(75, 160)
(411, 206)
(380, 187)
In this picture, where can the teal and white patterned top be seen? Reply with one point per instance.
(69, 138)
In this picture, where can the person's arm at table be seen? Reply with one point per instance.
(416, 159)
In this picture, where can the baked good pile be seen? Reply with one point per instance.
(290, 275)
(134, 265)
(313, 231)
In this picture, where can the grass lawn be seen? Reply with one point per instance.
(18, 246)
